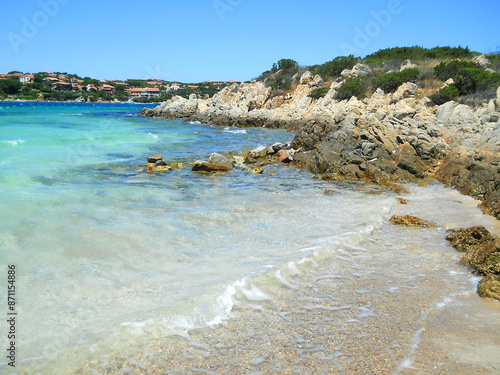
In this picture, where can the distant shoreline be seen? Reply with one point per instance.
(75, 102)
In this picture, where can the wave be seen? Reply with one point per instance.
(234, 130)
(153, 135)
(14, 142)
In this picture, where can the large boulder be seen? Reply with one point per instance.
(462, 115)
(445, 111)
(216, 162)
(408, 160)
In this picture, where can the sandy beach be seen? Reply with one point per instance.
(379, 307)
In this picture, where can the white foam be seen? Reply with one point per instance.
(284, 281)
(14, 142)
(259, 148)
(234, 130)
(293, 268)
(255, 294)
(153, 135)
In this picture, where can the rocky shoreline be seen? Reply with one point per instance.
(384, 139)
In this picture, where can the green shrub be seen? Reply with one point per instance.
(10, 86)
(445, 95)
(332, 69)
(417, 53)
(319, 92)
(447, 70)
(391, 81)
(471, 80)
(280, 82)
(354, 86)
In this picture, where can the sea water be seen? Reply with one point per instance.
(109, 257)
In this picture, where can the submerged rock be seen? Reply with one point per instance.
(410, 221)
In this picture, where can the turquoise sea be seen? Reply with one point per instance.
(108, 256)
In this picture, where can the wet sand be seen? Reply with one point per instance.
(379, 308)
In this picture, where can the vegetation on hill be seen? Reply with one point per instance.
(69, 87)
(474, 82)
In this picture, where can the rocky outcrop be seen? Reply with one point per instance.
(383, 139)
(410, 221)
(482, 254)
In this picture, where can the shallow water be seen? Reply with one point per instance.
(111, 260)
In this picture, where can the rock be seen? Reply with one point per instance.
(462, 114)
(402, 201)
(482, 249)
(410, 221)
(306, 77)
(489, 287)
(162, 168)
(405, 91)
(160, 163)
(482, 60)
(491, 107)
(154, 158)
(466, 239)
(285, 156)
(407, 65)
(450, 81)
(216, 162)
(444, 112)
(484, 258)
(498, 92)
(360, 70)
(257, 170)
(408, 160)
(277, 146)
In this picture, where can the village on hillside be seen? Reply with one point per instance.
(48, 86)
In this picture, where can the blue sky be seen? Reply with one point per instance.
(198, 40)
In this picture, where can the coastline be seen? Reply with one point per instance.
(384, 139)
(324, 319)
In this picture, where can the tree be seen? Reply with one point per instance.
(10, 86)
(287, 65)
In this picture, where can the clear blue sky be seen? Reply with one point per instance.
(196, 40)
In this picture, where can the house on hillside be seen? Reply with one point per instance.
(27, 78)
(148, 92)
(108, 88)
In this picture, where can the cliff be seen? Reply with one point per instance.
(386, 138)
